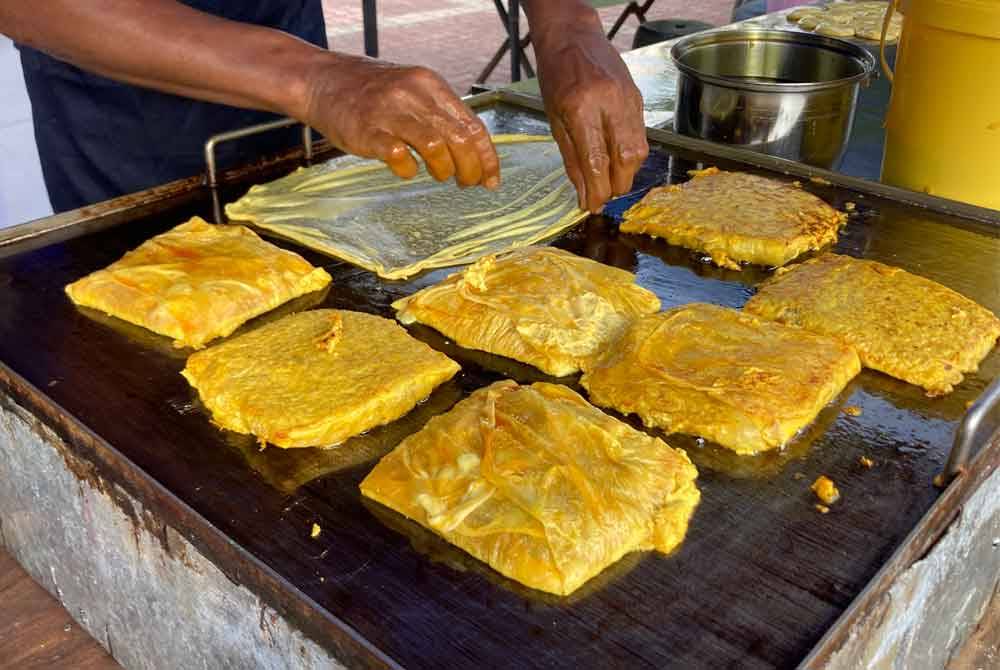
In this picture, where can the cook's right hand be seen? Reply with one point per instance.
(380, 110)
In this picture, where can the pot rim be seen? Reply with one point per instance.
(683, 46)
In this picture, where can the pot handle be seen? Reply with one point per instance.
(881, 45)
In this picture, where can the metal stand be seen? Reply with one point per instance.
(510, 17)
(211, 170)
(633, 8)
(370, 22)
(965, 436)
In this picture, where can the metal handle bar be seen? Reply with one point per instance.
(210, 168)
(965, 436)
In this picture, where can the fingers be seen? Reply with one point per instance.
(488, 158)
(434, 105)
(433, 149)
(586, 129)
(568, 151)
(471, 148)
(629, 149)
(603, 147)
(393, 152)
(392, 109)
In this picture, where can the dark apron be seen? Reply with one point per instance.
(98, 138)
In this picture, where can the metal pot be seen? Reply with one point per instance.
(784, 93)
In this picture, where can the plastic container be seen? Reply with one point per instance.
(943, 124)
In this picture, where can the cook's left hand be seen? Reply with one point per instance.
(593, 105)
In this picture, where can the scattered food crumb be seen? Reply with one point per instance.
(852, 410)
(52, 383)
(316, 530)
(820, 180)
(67, 628)
(826, 490)
(849, 206)
(799, 475)
(797, 184)
(322, 579)
(969, 403)
(867, 462)
(939, 481)
(822, 509)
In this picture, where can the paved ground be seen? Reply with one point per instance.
(36, 633)
(457, 37)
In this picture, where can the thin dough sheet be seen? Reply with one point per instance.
(357, 210)
(544, 487)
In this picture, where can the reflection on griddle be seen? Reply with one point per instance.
(597, 239)
(698, 263)
(912, 398)
(137, 335)
(708, 455)
(522, 373)
(164, 345)
(437, 550)
(288, 469)
(767, 464)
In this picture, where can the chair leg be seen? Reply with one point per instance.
(498, 56)
(621, 20)
(641, 11)
(492, 65)
(525, 62)
(522, 58)
(633, 7)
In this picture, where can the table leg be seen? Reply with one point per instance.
(514, 33)
(370, 21)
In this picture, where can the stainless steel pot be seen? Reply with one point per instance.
(783, 93)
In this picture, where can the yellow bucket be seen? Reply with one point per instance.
(943, 124)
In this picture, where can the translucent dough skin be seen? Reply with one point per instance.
(359, 211)
(542, 306)
(545, 488)
(198, 282)
(736, 217)
(316, 378)
(746, 383)
(901, 324)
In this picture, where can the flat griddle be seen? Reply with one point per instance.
(761, 577)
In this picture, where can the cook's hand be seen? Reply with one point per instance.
(380, 110)
(593, 105)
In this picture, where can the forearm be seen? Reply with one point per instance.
(165, 45)
(363, 106)
(594, 107)
(550, 19)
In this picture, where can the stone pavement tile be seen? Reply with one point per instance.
(36, 632)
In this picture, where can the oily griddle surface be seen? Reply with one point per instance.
(759, 578)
